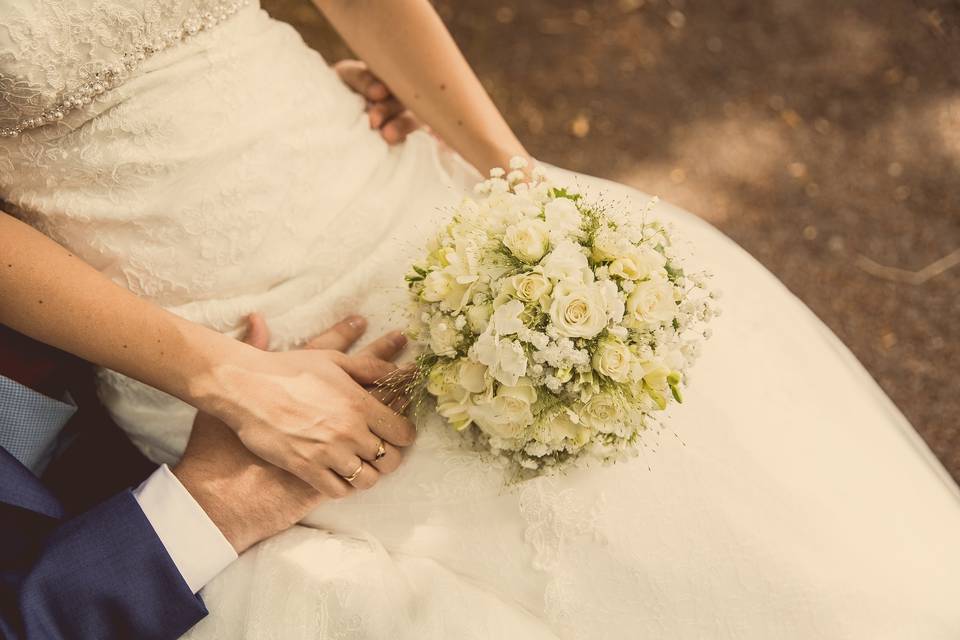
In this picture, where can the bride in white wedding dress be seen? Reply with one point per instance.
(218, 167)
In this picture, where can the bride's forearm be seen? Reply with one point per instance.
(407, 45)
(56, 298)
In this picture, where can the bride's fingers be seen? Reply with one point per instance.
(258, 335)
(391, 458)
(384, 111)
(397, 130)
(386, 423)
(365, 478)
(358, 77)
(386, 347)
(340, 336)
(365, 369)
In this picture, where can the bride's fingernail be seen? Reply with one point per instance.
(356, 322)
(399, 339)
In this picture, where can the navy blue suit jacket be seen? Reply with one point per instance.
(101, 575)
(78, 558)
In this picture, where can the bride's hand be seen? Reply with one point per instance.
(308, 412)
(387, 114)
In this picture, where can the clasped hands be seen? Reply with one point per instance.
(250, 499)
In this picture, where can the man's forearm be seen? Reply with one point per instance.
(407, 45)
(54, 297)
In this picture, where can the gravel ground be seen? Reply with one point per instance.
(822, 136)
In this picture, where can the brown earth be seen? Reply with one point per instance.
(822, 136)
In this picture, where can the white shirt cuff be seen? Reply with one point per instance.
(195, 544)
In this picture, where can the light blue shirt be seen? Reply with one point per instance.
(30, 423)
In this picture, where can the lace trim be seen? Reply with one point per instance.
(110, 76)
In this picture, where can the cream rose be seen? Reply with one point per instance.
(613, 359)
(528, 239)
(530, 287)
(638, 263)
(436, 286)
(508, 412)
(603, 412)
(578, 311)
(651, 302)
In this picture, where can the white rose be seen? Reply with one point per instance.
(508, 412)
(567, 262)
(528, 240)
(603, 412)
(478, 316)
(637, 264)
(563, 217)
(472, 376)
(443, 336)
(579, 311)
(506, 318)
(651, 302)
(530, 287)
(607, 245)
(436, 286)
(613, 359)
(505, 358)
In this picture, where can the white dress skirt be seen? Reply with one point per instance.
(788, 498)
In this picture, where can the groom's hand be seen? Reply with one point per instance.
(387, 114)
(247, 498)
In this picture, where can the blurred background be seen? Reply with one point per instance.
(822, 135)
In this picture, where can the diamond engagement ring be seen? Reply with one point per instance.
(381, 450)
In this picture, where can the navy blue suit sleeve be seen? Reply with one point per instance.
(104, 575)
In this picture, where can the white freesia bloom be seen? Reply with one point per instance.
(508, 412)
(436, 286)
(567, 262)
(578, 311)
(505, 358)
(563, 218)
(528, 240)
(563, 428)
(651, 302)
(506, 318)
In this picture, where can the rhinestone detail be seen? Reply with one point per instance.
(111, 76)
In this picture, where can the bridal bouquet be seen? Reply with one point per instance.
(553, 329)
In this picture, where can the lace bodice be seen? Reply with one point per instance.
(56, 57)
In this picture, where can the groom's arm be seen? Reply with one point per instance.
(105, 575)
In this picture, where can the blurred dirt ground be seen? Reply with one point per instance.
(822, 136)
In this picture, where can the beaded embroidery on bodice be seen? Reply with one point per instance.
(58, 56)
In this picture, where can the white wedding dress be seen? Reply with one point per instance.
(227, 171)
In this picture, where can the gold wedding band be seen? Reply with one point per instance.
(381, 450)
(353, 476)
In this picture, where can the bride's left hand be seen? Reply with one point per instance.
(387, 114)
